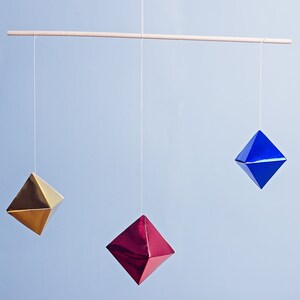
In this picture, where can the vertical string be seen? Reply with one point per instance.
(34, 109)
(260, 82)
(141, 104)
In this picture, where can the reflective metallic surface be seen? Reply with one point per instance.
(140, 249)
(260, 159)
(35, 204)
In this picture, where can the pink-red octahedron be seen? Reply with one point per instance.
(140, 249)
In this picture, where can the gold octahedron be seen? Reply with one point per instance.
(35, 203)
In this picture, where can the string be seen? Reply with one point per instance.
(34, 108)
(141, 104)
(260, 82)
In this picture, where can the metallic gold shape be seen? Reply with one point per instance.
(34, 219)
(52, 212)
(30, 196)
(35, 204)
(52, 196)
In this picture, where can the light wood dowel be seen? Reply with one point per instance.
(151, 36)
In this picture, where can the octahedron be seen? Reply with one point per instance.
(35, 204)
(140, 249)
(260, 159)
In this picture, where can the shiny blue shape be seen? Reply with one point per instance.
(260, 159)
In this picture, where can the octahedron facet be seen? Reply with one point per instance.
(35, 204)
(260, 159)
(140, 249)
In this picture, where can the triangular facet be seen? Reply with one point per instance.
(263, 171)
(157, 245)
(259, 148)
(132, 263)
(263, 149)
(33, 219)
(52, 212)
(52, 196)
(242, 157)
(244, 166)
(152, 264)
(133, 239)
(29, 197)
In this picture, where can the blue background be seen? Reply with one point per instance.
(201, 106)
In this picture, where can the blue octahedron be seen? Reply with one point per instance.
(260, 159)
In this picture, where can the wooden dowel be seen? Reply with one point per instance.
(151, 36)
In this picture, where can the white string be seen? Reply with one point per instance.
(34, 109)
(141, 104)
(260, 82)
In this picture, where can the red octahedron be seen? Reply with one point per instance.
(140, 249)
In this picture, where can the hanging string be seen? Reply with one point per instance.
(141, 104)
(34, 109)
(260, 81)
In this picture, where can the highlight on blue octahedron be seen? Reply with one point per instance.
(260, 159)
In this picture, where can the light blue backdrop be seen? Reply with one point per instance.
(232, 240)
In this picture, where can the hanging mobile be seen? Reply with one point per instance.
(260, 158)
(37, 201)
(140, 248)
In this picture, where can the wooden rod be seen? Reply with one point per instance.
(151, 36)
